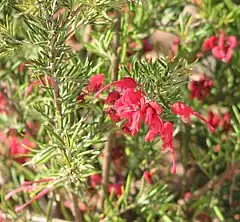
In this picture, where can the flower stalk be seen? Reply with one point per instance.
(109, 143)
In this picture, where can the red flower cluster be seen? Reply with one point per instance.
(115, 188)
(128, 103)
(17, 146)
(218, 121)
(201, 88)
(28, 186)
(222, 46)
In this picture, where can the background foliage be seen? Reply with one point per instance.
(48, 115)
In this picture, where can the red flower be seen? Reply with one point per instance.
(167, 137)
(217, 148)
(187, 196)
(218, 121)
(148, 177)
(185, 112)
(122, 84)
(3, 103)
(113, 97)
(115, 188)
(147, 46)
(95, 82)
(213, 119)
(131, 106)
(133, 47)
(201, 88)
(174, 48)
(210, 43)
(17, 148)
(112, 113)
(44, 80)
(153, 120)
(225, 122)
(95, 180)
(222, 46)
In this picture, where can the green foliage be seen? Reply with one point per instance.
(45, 79)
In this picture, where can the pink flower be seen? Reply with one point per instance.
(185, 112)
(115, 188)
(187, 196)
(3, 137)
(222, 46)
(95, 180)
(148, 177)
(217, 148)
(201, 88)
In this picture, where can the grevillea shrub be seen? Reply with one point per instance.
(119, 110)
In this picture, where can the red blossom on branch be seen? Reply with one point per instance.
(185, 112)
(129, 103)
(201, 88)
(95, 180)
(148, 177)
(221, 46)
(220, 121)
(115, 188)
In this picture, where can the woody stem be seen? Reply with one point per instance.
(77, 212)
(109, 143)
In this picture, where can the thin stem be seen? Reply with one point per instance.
(76, 211)
(58, 105)
(116, 45)
(106, 168)
(110, 142)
